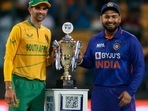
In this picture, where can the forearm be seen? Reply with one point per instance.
(50, 59)
(8, 67)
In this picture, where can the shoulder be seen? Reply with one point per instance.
(45, 28)
(131, 39)
(97, 36)
(21, 25)
(95, 39)
(17, 26)
(126, 33)
(129, 35)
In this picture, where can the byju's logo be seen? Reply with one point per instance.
(105, 55)
(98, 55)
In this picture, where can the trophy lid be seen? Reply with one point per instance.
(67, 27)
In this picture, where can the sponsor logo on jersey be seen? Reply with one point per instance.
(98, 55)
(29, 35)
(100, 45)
(105, 55)
(107, 60)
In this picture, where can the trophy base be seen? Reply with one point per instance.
(67, 84)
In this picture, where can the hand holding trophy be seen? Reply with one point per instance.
(66, 56)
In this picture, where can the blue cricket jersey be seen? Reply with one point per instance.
(117, 61)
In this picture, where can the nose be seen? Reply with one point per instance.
(110, 19)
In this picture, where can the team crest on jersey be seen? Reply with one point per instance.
(116, 46)
(47, 39)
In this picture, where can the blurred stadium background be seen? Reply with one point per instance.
(84, 14)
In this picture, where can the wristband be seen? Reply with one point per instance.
(8, 88)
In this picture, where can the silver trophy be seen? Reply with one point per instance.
(66, 56)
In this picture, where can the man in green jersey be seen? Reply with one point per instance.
(26, 58)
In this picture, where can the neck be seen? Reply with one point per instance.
(35, 23)
(109, 35)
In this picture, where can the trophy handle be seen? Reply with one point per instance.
(76, 55)
(58, 55)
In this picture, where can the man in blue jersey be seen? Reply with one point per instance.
(117, 58)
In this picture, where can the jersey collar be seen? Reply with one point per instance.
(29, 21)
(117, 34)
